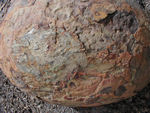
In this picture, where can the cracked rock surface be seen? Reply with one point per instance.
(12, 100)
(76, 52)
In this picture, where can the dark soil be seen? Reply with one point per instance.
(4, 5)
(12, 100)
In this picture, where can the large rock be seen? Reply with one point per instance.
(76, 52)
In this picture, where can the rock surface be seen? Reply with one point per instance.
(12, 100)
(76, 52)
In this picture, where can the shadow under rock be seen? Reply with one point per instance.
(136, 104)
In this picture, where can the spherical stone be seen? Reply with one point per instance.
(76, 52)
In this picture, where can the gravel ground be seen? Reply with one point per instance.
(12, 100)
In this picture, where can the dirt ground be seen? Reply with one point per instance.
(12, 100)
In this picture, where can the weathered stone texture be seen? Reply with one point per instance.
(76, 52)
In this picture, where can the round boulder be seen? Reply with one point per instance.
(76, 52)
